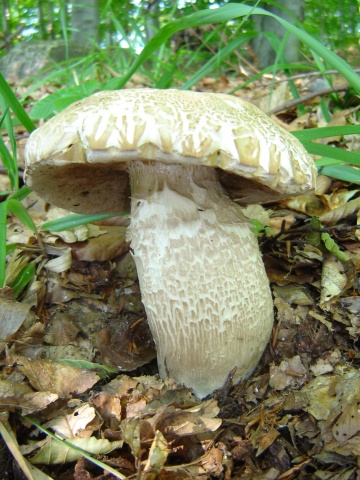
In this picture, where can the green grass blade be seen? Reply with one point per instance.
(337, 153)
(15, 105)
(68, 443)
(3, 217)
(342, 172)
(9, 160)
(9, 163)
(226, 13)
(23, 278)
(216, 59)
(18, 209)
(5, 193)
(325, 161)
(72, 221)
(21, 194)
(324, 132)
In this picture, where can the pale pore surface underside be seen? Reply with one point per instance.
(201, 275)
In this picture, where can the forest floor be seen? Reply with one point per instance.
(298, 416)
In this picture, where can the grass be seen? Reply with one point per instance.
(333, 162)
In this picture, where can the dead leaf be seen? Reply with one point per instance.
(333, 280)
(196, 420)
(293, 294)
(348, 423)
(55, 377)
(131, 433)
(13, 315)
(20, 396)
(318, 396)
(266, 440)
(110, 245)
(70, 425)
(277, 97)
(157, 456)
(54, 452)
(334, 216)
(326, 365)
(289, 372)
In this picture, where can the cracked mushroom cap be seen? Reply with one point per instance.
(78, 159)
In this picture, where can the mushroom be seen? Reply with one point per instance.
(186, 156)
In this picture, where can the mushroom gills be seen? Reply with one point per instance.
(202, 278)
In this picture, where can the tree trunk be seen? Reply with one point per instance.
(5, 15)
(152, 24)
(85, 20)
(262, 48)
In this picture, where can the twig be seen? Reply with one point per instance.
(315, 73)
(8, 39)
(310, 96)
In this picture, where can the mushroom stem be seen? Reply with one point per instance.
(202, 279)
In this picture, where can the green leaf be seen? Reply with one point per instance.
(10, 248)
(314, 236)
(325, 161)
(56, 102)
(323, 240)
(256, 226)
(332, 247)
(89, 366)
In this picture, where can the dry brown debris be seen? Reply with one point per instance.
(297, 417)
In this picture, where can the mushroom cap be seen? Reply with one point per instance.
(78, 159)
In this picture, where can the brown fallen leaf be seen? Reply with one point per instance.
(106, 247)
(13, 315)
(55, 377)
(289, 372)
(128, 347)
(348, 423)
(333, 280)
(267, 439)
(196, 420)
(334, 216)
(158, 455)
(21, 397)
(73, 424)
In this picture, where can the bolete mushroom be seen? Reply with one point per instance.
(186, 154)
